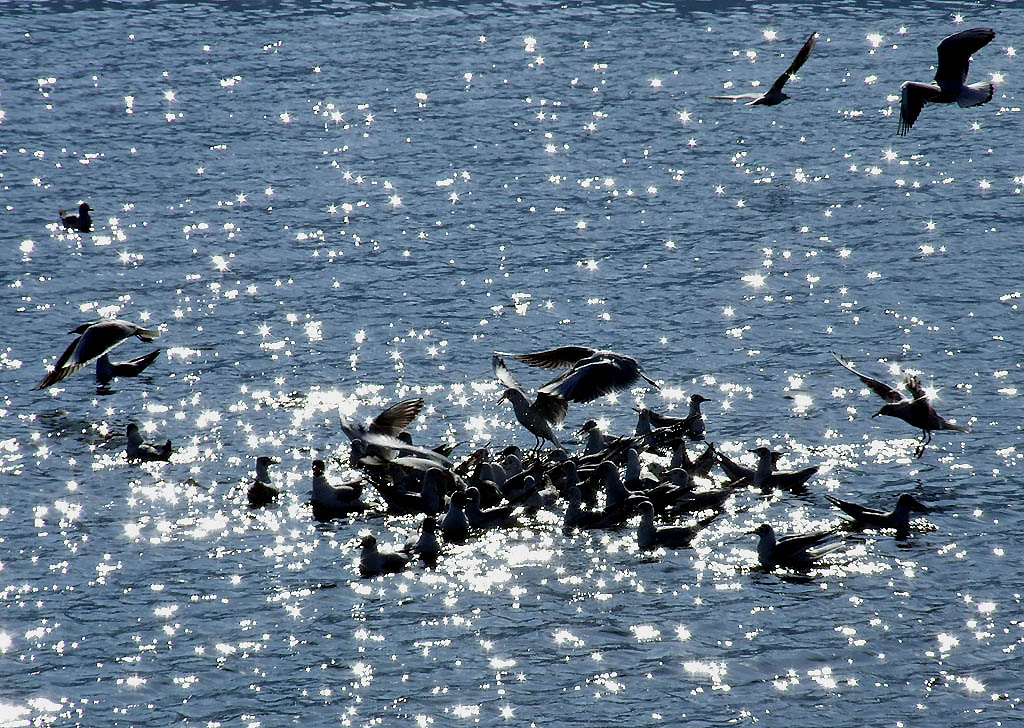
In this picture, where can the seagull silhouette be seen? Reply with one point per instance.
(775, 94)
(591, 372)
(539, 417)
(917, 412)
(950, 78)
(81, 222)
(95, 339)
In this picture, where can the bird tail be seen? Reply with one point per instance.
(148, 335)
(976, 94)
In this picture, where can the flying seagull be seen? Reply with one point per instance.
(591, 372)
(95, 339)
(775, 95)
(917, 412)
(950, 78)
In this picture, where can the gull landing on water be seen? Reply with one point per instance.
(775, 95)
(917, 412)
(950, 78)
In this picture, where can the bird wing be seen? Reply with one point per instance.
(913, 97)
(853, 510)
(590, 381)
(799, 60)
(560, 358)
(883, 390)
(913, 384)
(506, 377)
(61, 369)
(397, 417)
(737, 97)
(955, 55)
(140, 362)
(551, 407)
(796, 546)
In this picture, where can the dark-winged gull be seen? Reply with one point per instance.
(950, 78)
(591, 372)
(917, 412)
(538, 417)
(865, 517)
(373, 562)
(775, 94)
(261, 492)
(138, 449)
(392, 421)
(799, 551)
(95, 339)
(649, 536)
(107, 370)
(82, 222)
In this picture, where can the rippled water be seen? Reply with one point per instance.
(328, 207)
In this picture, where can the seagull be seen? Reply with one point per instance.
(95, 339)
(392, 421)
(81, 222)
(765, 476)
(144, 451)
(775, 95)
(107, 370)
(917, 412)
(374, 563)
(898, 518)
(539, 418)
(950, 78)
(692, 425)
(455, 525)
(650, 536)
(331, 501)
(261, 492)
(496, 517)
(427, 547)
(591, 372)
(799, 551)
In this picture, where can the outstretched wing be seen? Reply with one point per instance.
(913, 97)
(62, 369)
(799, 60)
(590, 381)
(397, 417)
(883, 390)
(501, 371)
(560, 358)
(737, 97)
(955, 55)
(551, 407)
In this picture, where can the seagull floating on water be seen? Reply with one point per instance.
(950, 78)
(261, 492)
(95, 339)
(917, 412)
(142, 450)
(898, 518)
(775, 94)
(374, 563)
(799, 551)
(650, 536)
(332, 501)
(82, 222)
(107, 370)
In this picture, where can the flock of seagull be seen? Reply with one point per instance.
(611, 480)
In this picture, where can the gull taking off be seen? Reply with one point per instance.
(540, 417)
(95, 339)
(950, 78)
(917, 412)
(775, 94)
(591, 372)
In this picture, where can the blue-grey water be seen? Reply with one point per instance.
(326, 207)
